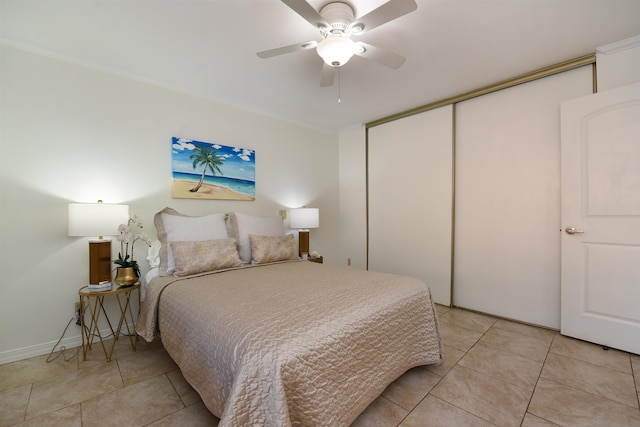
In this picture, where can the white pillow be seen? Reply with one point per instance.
(173, 226)
(153, 254)
(243, 225)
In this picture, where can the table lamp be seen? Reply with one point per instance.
(303, 219)
(97, 220)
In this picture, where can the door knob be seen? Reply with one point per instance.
(571, 230)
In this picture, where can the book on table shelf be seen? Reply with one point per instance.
(99, 287)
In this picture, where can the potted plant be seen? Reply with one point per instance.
(128, 271)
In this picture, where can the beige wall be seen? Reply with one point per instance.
(74, 134)
(353, 196)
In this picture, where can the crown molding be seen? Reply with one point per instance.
(619, 45)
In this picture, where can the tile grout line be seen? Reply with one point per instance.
(445, 374)
(536, 384)
(424, 397)
(26, 408)
(491, 376)
(456, 364)
(436, 384)
(572, 387)
(506, 351)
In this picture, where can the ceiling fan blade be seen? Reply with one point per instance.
(387, 12)
(287, 49)
(382, 56)
(304, 9)
(328, 75)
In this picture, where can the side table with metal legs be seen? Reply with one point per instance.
(94, 301)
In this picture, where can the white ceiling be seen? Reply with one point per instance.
(207, 48)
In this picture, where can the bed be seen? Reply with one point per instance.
(284, 342)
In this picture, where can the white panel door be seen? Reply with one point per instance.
(410, 199)
(601, 218)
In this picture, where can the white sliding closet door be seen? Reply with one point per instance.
(410, 199)
(507, 221)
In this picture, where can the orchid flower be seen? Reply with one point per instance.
(126, 237)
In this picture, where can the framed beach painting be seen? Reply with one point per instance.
(204, 170)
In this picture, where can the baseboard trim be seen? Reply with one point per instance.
(48, 347)
(38, 349)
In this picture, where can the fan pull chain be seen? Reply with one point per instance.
(339, 86)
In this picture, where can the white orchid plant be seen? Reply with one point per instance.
(127, 241)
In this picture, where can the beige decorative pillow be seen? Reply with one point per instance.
(172, 226)
(272, 248)
(204, 255)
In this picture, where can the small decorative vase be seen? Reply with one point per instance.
(126, 276)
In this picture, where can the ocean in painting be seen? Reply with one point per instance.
(241, 186)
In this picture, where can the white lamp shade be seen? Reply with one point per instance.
(304, 218)
(96, 219)
(336, 50)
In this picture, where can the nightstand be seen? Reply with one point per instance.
(95, 302)
(319, 259)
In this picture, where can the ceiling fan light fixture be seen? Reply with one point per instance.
(336, 50)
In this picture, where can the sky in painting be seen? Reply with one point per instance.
(239, 163)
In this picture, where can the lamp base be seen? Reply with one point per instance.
(303, 243)
(99, 261)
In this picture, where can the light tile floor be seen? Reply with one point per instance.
(495, 373)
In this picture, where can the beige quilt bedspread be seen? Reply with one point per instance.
(292, 344)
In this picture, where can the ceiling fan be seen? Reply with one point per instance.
(337, 23)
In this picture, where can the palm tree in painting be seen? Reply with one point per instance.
(207, 156)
